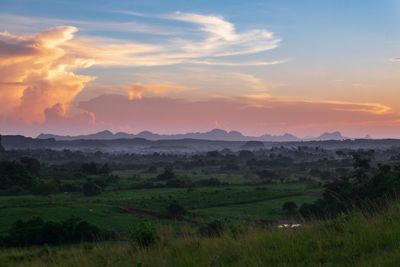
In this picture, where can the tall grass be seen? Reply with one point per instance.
(358, 239)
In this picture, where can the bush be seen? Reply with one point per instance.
(289, 207)
(236, 229)
(36, 231)
(175, 210)
(144, 234)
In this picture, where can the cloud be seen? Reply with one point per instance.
(206, 82)
(36, 73)
(243, 63)
(211, 37)
(27, 23)
(222, 37)
(138, 90)
(215, 38)
(57, 116)
(252, 115)
(57, 120)
(395, 59)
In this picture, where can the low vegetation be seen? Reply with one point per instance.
(354, 239)
(300, 206)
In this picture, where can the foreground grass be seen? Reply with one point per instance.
(353, 240)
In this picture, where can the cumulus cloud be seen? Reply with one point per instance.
(57, 116)
(36, 73)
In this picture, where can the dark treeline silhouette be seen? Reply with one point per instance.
(1, 146)
(365, 188)
(36, 231)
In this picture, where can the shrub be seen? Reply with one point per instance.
(236, 229)
(36, 231)
(144, 234)
(175, 210)
(289, 207)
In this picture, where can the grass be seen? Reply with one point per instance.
(262, 210)
(253, 202)
(351, 240)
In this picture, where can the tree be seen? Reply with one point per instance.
(36, 231)
(14, 174)
(340, 153)
(267, 175)
(89, 168)
(175, 210)
(105, 169)
(1, 146)
(45, 189)
(31, 164)
(246, 154)
(167, 174)
(289, 207)
(91, 189)
(362, 164)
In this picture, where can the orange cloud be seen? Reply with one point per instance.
(36, 73)
(138, 90)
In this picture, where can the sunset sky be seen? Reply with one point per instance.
(273, 66)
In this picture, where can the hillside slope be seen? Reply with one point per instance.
(354, 240)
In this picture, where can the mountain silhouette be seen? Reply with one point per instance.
(214, 134)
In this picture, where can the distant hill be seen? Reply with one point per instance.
(327, 136)
(215, 135)
(103, 135)
(183, 145)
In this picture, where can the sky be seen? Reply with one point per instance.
(273, 66)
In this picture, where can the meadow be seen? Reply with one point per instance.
(237, 202)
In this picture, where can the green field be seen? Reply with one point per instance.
(242, 202)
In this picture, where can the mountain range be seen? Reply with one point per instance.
(215, 134)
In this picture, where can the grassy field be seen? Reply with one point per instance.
(203, 203)
(351, 240)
